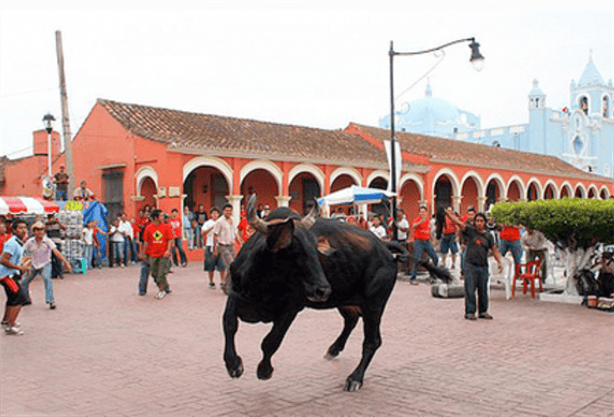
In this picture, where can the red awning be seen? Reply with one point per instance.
(27, 205)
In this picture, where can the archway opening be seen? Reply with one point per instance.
(513, 192)
(469, 192)
(304, 190)
(261, 182)
(148, 191)
(443, 193)
(205, 186)
(492, 194)
(549, 192)
(532, 192)
(381, 208)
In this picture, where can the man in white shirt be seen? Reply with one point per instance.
(212, 263)
(126, 230)
(225, 235)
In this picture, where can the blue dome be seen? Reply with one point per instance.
(431, 107)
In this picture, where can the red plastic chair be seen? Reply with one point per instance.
(532, 272)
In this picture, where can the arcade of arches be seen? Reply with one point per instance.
(296, 186)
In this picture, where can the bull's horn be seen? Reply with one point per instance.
(310, 219)
(253, 219)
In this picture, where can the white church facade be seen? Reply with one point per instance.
(581, 134)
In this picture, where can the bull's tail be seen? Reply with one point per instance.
(401, 255)
(438, 272)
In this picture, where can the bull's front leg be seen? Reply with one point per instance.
(234, 364)
(272, 341)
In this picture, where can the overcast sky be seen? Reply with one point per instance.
(315, 64)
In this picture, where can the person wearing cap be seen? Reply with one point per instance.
(39, 247)
(61, 180)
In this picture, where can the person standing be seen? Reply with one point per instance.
(201, 217)
(478, 243)
(117, 240)
(175, 223)
(422, 242)
(11, 269)
(188, 233)
(534, 243)
(378, 229)
(54, 229)
(510, 241)
(225, 235)
(125, 228)
(39, 248)
(156, 252)
(212, 263)
(448, 242)
(61, 180)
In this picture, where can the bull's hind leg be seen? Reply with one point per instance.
(271, 343)
(350, 318)
(234, 364)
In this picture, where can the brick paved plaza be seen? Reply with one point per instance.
(107, 352)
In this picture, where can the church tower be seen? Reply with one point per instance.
(536, 139)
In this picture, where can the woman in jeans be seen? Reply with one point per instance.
(40, 248)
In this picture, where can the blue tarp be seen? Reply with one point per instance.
(94, 210)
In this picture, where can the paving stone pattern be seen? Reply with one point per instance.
(106, 351)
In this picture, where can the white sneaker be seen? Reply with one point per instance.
(160, 295)
(14, 331)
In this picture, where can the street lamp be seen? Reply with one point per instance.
(478, 62)
(48, 120)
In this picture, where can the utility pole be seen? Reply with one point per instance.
(65, 116)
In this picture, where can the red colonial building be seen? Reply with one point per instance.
(132, 155)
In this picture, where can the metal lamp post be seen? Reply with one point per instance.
(478, 62)
(48, 120)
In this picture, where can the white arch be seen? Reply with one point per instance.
(554, 187)
(582, 187)
(415, 178)
(522, 188)
(500, 183)
(379, 173)
(538, 186)
(310, 168)
(210, 161)
(142, 174)
(607, 191)
(266, 165)
(453, 180)
(351, 172)
(478, 180)
(570, 191)
(595, 192)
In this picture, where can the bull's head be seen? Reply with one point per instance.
(290, 243)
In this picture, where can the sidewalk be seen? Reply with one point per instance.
(106, 351)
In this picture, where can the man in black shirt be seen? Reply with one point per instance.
(478, 243)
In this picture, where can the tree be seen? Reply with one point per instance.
(578, 225)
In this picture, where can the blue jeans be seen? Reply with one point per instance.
(45, 272)
(179, 247)
(145, 270)
(421, 246)
(514, 247)
(476, 277)
(448, 244)
(117, 252)
(61, 195)
(189, 235)
(88, 254)
(129, 247)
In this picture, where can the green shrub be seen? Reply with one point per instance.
(584, 220)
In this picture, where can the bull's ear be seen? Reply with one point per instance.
(280, 235)
(324, 246)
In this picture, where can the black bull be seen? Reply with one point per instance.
(288, 265)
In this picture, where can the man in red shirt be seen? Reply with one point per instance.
(175, 222)
(510, 241)
(422, 241)
(157, 247)
(3, 235)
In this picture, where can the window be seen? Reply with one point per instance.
(584, 104)
(605, 109)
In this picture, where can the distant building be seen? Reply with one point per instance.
(581, 134)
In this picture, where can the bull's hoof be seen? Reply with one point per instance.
(330, 355)
(265, 371)
(235, 370)
(351, 386)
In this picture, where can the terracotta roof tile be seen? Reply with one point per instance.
(456, 151)
(250, 137)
